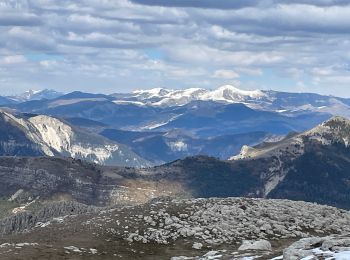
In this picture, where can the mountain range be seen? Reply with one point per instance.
(162, 125)
(311, 166)
(270, 100)
(238, 111)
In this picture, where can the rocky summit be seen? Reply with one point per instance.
(230, 228)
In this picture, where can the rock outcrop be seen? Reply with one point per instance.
(330, 247)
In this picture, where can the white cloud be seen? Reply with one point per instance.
(226, 74)
(196, 46)
(12, 59)
(250, 71)
(322, 71)
(204, 54)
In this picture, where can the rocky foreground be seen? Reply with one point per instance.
(231, 228)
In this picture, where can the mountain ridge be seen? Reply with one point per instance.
(30, 95)
(261, 99)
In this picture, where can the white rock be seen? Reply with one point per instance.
(197, 245)
(261, 245)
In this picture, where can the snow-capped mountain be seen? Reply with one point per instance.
(270, 100)
(36, 95)
(230, 93)
(161, 98)
(44, 135)
(151, 93)
(167, 97)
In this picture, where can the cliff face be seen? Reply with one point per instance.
(28, 135)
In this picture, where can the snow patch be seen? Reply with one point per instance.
(159, 124)
(151, 93)
(178, 146)
(128, 102)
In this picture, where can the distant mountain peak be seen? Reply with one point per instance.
(231, 93)
(334, 130)
(36, 95)
(154, 92)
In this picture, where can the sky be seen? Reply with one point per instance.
(110, 46)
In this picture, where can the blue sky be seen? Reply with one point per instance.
(118, 46)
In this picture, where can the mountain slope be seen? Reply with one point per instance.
(29, 135)
(308, 166)
(6, 101)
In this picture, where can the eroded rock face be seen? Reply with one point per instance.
(27, 220)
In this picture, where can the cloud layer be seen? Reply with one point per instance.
(113, 46)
